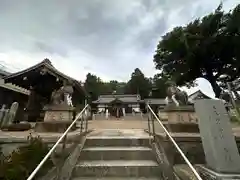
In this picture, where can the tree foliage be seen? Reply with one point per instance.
(95, 86)
(159, 86)
(207, 47)
(138, 84)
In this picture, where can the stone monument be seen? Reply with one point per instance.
(2, 114)
(220, 148)
(59, 113)
(10, 114)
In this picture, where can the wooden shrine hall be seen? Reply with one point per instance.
(41, 80)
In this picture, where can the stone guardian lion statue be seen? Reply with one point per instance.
(175, 95)
(62, 95)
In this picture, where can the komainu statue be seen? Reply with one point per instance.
(175, 95)
(57, 97)
(62, 95)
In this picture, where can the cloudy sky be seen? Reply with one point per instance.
(106, 37)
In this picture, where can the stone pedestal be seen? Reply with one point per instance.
(58, 113)
(181, 127)
(54, 126)
(208, 174)
(181, 114)
(57, 119)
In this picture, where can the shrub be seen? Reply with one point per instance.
(20, 163)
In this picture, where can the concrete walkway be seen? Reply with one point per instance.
(114, 133)
(118, 124)
(134, 126)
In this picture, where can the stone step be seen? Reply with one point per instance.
(117, 153)
(116, 178)
(117, 168)
(103, 141)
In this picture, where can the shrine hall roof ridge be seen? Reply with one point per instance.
(126, 98)
(46, 63)
(197, 93)
(4, 73)
(118, 95)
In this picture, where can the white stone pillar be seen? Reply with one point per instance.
(117, 112)
(107, 114)
(124, 113)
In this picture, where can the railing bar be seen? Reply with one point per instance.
(53, 148)
(81, 125)
(153, 127)
(178, 148)
(86, 127)
(148, 121)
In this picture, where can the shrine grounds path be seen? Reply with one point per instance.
(137, 124)
(101, 125)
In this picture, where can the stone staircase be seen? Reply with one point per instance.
(116, 157)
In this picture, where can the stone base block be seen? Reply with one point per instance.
(54, 115)
(182, 127)
(208, 174)
(181, 114)
(163, 116)
(54, 126)
(17, 127)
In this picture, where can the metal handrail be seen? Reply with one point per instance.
(176, 146)
(54, 147)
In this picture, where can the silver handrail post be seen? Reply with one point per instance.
(54, 147)
(176, 146)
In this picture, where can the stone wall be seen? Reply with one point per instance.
(8, 148)
(191, 146)
(9, 144)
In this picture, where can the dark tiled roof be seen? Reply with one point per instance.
(4, 73)
(46, 63)
(197, 94)
(126, 98)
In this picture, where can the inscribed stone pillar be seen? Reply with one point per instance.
(218, 141)
(13, 112)
(9, 116)
(2, 113)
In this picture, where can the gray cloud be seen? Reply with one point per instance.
(114, 36)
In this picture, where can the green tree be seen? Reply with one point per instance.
(138, 84)
(93, 85)
(207, 47)
(159, 86)
(111, 87)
